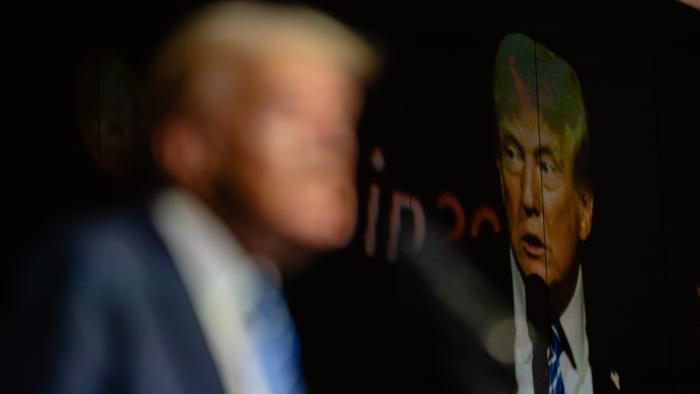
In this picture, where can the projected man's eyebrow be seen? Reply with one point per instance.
(509, 139)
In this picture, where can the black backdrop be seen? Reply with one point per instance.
(368, 324)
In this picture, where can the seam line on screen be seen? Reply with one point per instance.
(539, 169)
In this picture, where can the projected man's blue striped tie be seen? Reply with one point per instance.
(556, 382)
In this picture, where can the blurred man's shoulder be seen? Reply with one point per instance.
(106, 244)
(116, 229)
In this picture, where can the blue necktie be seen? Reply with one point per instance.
(556, 382)
(276, 341)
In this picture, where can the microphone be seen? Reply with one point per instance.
(537, 312)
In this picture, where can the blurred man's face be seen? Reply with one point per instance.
(288, 152)
(543, 207)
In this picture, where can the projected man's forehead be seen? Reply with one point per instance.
(532, 81)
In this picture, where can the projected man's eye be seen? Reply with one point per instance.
(546, 167)
(550, 174)
(512, 159)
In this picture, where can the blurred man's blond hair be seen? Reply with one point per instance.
(230, 33)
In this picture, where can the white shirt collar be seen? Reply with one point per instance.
(223, 282)
(573, 322)
(194, 234)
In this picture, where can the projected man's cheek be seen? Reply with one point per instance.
(560, 203)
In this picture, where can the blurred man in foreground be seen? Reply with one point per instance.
(254, 109)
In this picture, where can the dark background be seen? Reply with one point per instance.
(367, 324)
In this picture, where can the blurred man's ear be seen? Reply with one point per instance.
(180, 151)
(585, 214)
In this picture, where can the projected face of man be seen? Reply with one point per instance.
(547, 215)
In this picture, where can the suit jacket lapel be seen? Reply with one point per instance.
(182, 333)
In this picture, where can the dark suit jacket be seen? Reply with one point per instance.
(101, 308)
